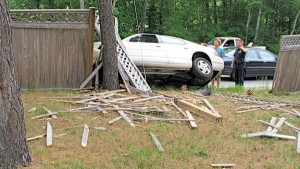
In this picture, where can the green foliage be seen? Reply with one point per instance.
(195, 20)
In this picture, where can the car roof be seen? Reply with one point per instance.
(228, 37)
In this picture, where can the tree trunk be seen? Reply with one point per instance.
(257, 24)
(81, 3)
(13, 143)
(108, 39)
(215, 12)
(207, 10)
(247, 25)
(144, 16)
(114, 4)
(295, 22)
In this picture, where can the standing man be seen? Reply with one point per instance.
(221, 53)
(238, 63)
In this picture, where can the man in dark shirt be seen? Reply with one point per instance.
(238, 63)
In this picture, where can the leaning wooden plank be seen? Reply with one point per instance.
(148, 98)
(198, 110)
(244, 111)
(273, 120)
(49, 134)
(298, 142)
(296, 112)
(31, 110)
(90, 77)
(109, 92)
(114, 120)
(279, 124)
(125, 116)
(269, 124)
(85, 136)
(292, 126)
(257, 134)
(49, 112)
(190, 117)
(211, 107)
(36, 137)
(281, 136)
(223, 165)
(44, 115)
(157, 143)
(179, 109)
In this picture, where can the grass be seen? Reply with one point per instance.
(122, 146)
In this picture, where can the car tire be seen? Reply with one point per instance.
(202, 68)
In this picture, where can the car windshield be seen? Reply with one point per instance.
(230, 54)
(211, 42)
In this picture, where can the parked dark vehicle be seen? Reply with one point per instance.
(259, 63)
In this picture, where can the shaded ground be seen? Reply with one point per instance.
(122, 146)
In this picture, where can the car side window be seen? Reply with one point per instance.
(135, 39)
(265, 55)
(170, 40)
(148, 39)
(251, 55)
(229, 43)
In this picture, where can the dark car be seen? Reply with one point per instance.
(259, 63)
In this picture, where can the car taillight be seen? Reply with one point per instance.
(216, 53)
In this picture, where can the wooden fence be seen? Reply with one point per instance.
(53, 48)
(287, 73)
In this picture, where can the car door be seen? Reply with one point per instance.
(176, 51)
(133, 49)
(253, 64)
(152, 52)
(268, 64)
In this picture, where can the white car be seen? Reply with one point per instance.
(170, 58)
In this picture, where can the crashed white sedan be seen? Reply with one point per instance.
(169, 58)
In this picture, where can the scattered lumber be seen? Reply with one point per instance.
(198, 110)
(31, 110)
(245, 111)
(49, 112)
(49, 135)
(85, 136)
(115, 119)
(44, 115)
(191, 118)
(100, 128)
(157, 143)
(279, 124)
(272, 125)
(121, 112)
(292, 126)
(222, 165)
(298, 142)
(90, 77)
(296, 112)
(211, 107)
(272, 122)
(36, 137)
(179, 109)
(267, 134)
(148, 98)
(67, 128)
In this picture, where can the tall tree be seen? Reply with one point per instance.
(257, 23)
(295, 22)
(13, 144)
(108, 40)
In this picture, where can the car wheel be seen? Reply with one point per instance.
(202, 68)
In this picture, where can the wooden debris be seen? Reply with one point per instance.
(198, 110)
(36, 137)
(191, 118)
(60, 135)
(44, 115)
(121, 112)
(296, 112)
(31, 110)
(292, 126)
(100, 128)
(244, 111)
(223, 165)
(211, 107)
(179, 109)
(157, 143)
(67, 128)
(266, 134)
(49, 135)
(148, 98)
(85, 136)
(114, 120)
(270, 128)
(272, 125)
(49, 112)
(279, 124)
(90, 77)
(109, 92)
(298, 142)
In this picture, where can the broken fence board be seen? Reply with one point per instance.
(180, 110)
(121, 112)
(245, 111)
(157, 143)
(85, 136)
(31, 110)
(198, 110)
(279, 124)
(36, 137)
(281, 136)
(90, 77)
(49, 112)
(292, 126)
(44, 115)
(223, 165)
(269, 124)
(148, 98)
(273, 120)
(211, 107)
(114, 120)
(49, 137)
(296, 112)
(190, 117)
(257, 134)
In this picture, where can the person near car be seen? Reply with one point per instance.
(238, 63)
(221, 53)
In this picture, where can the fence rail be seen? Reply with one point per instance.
(53, 48)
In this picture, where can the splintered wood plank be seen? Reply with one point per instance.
(211, 107)
(121, 112)
(273, 120)
(198, 110)
(36, 137)
(157, 143)
(44, 115)
(49, 134)
(90, 77)
(298, 142)
(296, 112)
(279, 124)
(148, 98)
(257, 134)
(85, 136)
(179, 109)
(49, 112)
(223, 165)
(291, 126)
(114, 120)
(190, 117)
(281, 136)
(269, 124)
